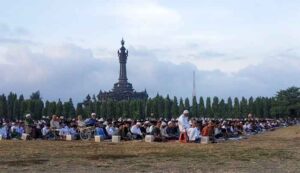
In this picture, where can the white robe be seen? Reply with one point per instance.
(183, 123)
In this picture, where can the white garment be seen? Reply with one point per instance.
(13, 128)
(3, 132)
(110, 131)
(193, 133)
(45, 131)
(183, 123)
(135, 130)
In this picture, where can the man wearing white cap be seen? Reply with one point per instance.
(184, 125)
(136, 131)
(28, 124)
(183, 121)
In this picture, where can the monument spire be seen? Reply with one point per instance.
(194, 85)
(122, 53)
(122, 89)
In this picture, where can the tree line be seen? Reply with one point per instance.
(286, 103)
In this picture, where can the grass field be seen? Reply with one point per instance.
(276, 151)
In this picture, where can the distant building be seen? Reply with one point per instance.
(122, 90)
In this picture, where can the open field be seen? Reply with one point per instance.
(276, 151)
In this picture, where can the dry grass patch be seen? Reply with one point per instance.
(276, 151)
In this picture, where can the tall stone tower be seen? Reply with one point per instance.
(122, 90)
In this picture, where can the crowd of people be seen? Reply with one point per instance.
(57, 128)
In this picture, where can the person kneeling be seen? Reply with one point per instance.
(194, 133)
(157, 133)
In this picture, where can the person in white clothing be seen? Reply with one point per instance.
(194, 133)
(183, 121)
(136, 131)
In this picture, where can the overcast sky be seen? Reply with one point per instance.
(68, 48)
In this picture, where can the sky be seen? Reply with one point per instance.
(68, 48)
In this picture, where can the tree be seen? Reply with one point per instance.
(3, 106)
(36, 96)
(287, 103)
(167, 108)
(59, 108)
(201, 107)
(236, 108)
(229, 107)
(16, 110)
(181, 105)
(195, 107)
(187, 104)
(244, 107)
(208, 111)
(175, 108)
(52, 109)
(79, 109)
(222, 109)
(215, 107)
(251, 106)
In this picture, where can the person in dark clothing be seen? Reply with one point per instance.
(157, 133)
(124, 132)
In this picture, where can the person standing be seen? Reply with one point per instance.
(29, 123)
(183, 124)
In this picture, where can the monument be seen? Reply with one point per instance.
(122, 90)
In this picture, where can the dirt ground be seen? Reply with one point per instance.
(271, 152)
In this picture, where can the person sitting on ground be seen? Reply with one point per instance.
(54, 123)
(80, 122)
(110, 129)
(72, 131)
(136, 131)
(100, 130)
(144, 129)
(13, 131)
(91, 121)
(64, 131)
(4, 130)
(147, 125)
(20, 128)
(194, 132)
(172, 131)
(208, 131)
(163, 130)
(124, 132)
(46, 133)
(156, 132)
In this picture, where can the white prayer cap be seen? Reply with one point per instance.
(93, 114)
(170, 122)
(105, 123)
(27, 115)
(129, 119)
(138, 123)
(120, 119)
(163, 123)
(185, 112)
(13, 123)
(101, 120)
(146, 122)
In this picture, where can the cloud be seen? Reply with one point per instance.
(69, 70)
